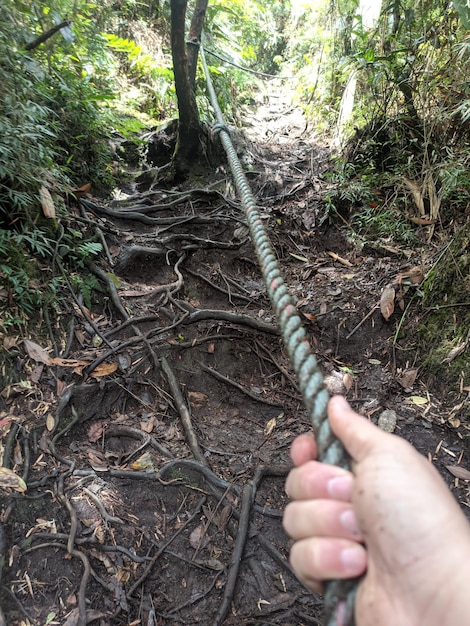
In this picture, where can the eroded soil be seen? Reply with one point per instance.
(137, 464)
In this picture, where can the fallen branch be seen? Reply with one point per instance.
(224, 379)
(240, 541)
(184, 412)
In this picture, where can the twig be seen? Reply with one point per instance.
(217, 287)
(277, 365)
(364, 319)
(224, 379)
(162, 549)
(240, 541)
(340, 259)
(184, 413)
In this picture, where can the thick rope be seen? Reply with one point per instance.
(339, 595)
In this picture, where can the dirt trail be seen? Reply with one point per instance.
(156, 457)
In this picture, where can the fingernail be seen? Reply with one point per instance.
(353, 560)
(340, 487)
(349, 522)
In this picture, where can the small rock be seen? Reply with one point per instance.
(388, 421)
(334, 384)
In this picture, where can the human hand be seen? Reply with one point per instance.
(392, 518)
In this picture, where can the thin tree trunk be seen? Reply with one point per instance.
(195, 31)
(188, 145)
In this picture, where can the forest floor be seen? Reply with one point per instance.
(136, 464)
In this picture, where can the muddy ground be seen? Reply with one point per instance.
(137, 463)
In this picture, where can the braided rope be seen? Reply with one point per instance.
(339, 595)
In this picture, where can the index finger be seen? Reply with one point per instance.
(303, 449)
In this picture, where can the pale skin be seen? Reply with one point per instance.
(392, 519)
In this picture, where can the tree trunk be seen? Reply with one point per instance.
(195, 31)
(188, 143)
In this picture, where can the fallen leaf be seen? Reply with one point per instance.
(95, 432)
(418, 400)
(10, 342)
(197, 399)
(60, 388)
(67, 362)
(408, 377)
(37, 373)
(148, 425)
(270, 426)
(299, 258)
(104, 369)
(81, 191)
(50, 422)
(459, 472)
(198, 538)
(211, 348)
(144, 462)
(310, 316)
(47, 203)
(387, 302)
(347, 381)
(36, 353)
(98, 461)
(10, 480)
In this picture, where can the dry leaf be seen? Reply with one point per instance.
(270, 426)
(67, 362)
(144, 462)
(198, 538)
(36, 353)
(10, 480)
(459, 472)
(10, 342)
(224, 517)
(211, 348)
(47, 203)
(148, 425)
(408, 377)
(197, 399)
(387, 302)
(413, 276)
(95, 432)
(60, 388)
(81, 191)
(347, 381)
(104, 369)
(98, 461)
(36, 373)
(50, 422)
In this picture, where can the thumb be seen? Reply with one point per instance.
(359, 436)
